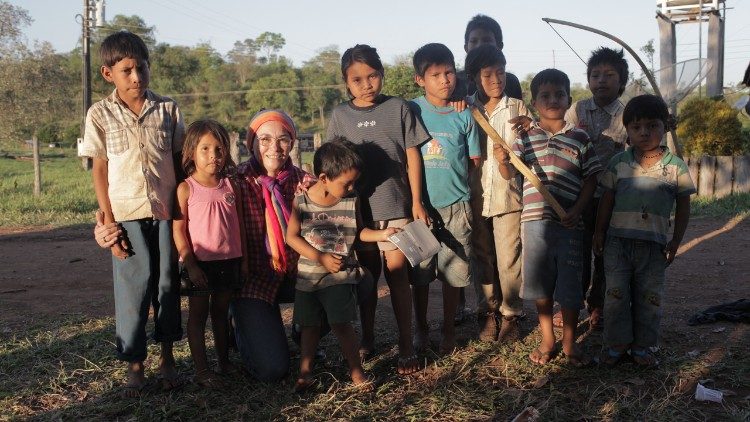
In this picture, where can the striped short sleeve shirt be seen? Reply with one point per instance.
(644, 198)
(562, 161)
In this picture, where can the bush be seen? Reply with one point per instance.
(48, 133)
(710, 127)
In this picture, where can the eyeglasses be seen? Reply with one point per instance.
(284, 141)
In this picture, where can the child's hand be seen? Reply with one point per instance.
(109, 234)
(597, 243)
(520, 124)
(571, 218)
(420, 213)
(459, 105)
(331, 262)
(196, 275)
(670, 251)
(500, 154)
(118, 251)
(387, 233)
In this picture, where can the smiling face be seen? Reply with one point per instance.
(130, 77)
(645, 135)
(271, 146)
(604, 83)
(439, 81)
(492, 80)
(209, 156)
(551, 101)
(364, 83)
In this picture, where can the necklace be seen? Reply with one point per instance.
(651, 156)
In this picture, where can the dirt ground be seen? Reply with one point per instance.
(48, 274)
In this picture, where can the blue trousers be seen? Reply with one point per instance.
(147, 278)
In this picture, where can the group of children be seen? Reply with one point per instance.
(388, 162)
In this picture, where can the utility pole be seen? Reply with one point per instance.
(93, 12)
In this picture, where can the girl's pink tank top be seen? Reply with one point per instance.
(213, 224)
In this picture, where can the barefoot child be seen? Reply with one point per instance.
(601, 118)
(640, 187)
(564, 160)
(496, 202)
(209, 238)
(135, 137)
(323, 227)
(455, 140)
(388, 137)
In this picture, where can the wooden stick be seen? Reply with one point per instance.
(517, 163)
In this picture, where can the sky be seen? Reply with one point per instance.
(398, 27)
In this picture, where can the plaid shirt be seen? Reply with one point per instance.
(139, 151)
(263, 283)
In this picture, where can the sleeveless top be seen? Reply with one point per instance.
(330, 229)
(213, 224)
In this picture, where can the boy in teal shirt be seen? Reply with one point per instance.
(455, 141)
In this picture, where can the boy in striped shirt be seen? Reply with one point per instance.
(565, 161)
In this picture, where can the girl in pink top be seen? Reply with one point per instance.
(209, 236)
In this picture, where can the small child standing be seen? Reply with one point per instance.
(496, 202)
(455, 140)
(135, 137)
(640, 187)
(323, 227)
(601, 118)
(388, 136)
(208, 218)
(564, 160)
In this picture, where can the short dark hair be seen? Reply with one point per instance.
(335, 157)
(486, 23)
(361, 53)
(481, 57)
(549, 76)
(193, 135)
(645, 107)
(122, 45)
(432, 54)
(612, 57)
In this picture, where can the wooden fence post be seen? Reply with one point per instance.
(37, 166)
(706, 183)
(741, 174)
(723, 180)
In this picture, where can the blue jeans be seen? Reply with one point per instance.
(261, 339)
(635, 285)
(148, 277)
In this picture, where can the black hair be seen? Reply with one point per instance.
(335, 157)
(746, 78)
(482, 57)
(122, 45)
(432, 54)
(361, 53)
(193, 135)
(549, 76)
(645, 107)
(486, 23)
(614, 58)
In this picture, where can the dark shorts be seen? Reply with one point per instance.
(222, 275)
(336, 303)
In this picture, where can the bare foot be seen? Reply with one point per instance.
(361, 381)
(304, 382)
(421, 340)
(208, 379)
(408, 365)
(170, 379)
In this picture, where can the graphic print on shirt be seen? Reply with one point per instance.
(434, 152)
(326, 233)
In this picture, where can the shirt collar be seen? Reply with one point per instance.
(611, 108)
(500, 105)
(151, 98)
(568, 126)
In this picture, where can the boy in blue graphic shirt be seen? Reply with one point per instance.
(455, 140)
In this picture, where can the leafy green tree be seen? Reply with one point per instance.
(243, 57)
(278, 90)
(399, 80)
(710, 127)
(270, 43)
(12, 19)
(322, 70)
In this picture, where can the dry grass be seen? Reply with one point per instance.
(66, 370)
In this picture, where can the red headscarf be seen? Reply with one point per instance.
(265, 116)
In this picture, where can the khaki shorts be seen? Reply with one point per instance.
(381, 225)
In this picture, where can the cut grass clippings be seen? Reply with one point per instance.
(68, 371)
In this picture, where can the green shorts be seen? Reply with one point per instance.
(336, 303)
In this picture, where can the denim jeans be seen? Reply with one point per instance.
(261, 339)
(635, 285)
(148, 277)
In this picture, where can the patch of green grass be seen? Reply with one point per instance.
(729, 206)
(67, 193)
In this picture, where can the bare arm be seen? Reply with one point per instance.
(507, 171)
(603, 215)
(681, 218)
(182, 239)
(587, 192)
(99, 174)
(414, 171)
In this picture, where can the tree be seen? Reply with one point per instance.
(399, 80)
(12, 19)
(277, 90)
(649, 51)
(710, 127)
(270, 43)
(322, 70)
(243, 57)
